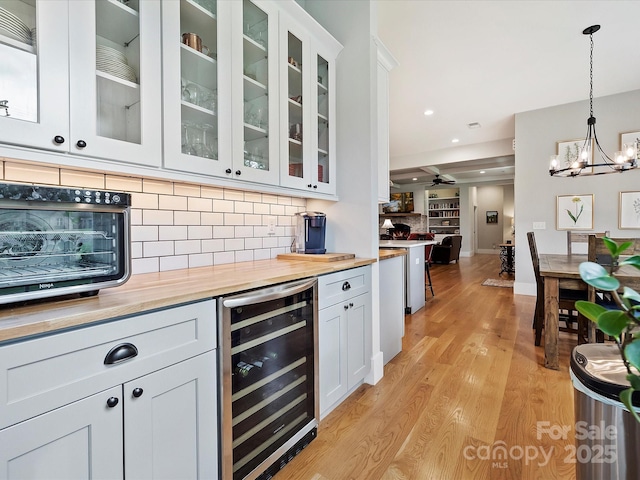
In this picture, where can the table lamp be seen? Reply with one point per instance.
(388, 225)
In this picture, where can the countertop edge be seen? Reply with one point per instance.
(152, 291)
(386, 253)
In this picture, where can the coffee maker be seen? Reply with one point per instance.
(310, 232)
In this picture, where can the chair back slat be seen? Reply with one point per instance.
(581, 238)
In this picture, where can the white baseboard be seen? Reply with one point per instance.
(377, 369)
(489, 251)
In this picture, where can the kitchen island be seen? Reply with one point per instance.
(414, 271)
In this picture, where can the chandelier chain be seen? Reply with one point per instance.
(591, 78)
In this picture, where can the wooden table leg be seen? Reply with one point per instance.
(551, 311)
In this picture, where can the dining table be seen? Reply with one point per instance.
(562, 271)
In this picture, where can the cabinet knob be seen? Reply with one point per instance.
(112, 402)
(238, 172)
(58, 139)
(309, 185)
(120, 353)
(315, 186)
(81, 144)
(137, 392)
(228, 171)
(346, 307)
(346, 286)
(350, 304)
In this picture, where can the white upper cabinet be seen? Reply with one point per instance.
(307, 106)
(196, 85)
(86, 79)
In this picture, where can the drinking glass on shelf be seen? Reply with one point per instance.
(261, 117)
(196, 93)
(209, 141)
(186, 142)
(249, 114)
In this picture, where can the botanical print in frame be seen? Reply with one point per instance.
(574, 212)
(631, 137)
(569, 151)
(629, 210)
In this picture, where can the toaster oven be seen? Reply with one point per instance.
(57, 241)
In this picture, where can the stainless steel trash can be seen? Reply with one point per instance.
(607, 435)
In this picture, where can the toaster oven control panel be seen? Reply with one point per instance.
(97, 196)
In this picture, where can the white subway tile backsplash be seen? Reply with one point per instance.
(291, 210)
(174, 263)
(216, 245)
(211, 192)
(144, 200)
(243, 207)
(145, 265)
(136, 249)
(144, 233)
(77, 178)
(209, 218)
(222, 206)
(244, 256)
(261, 208)
(186, 189)
(284, 200)
(243, 232)
(171, 232)
(200, 204)
(299, 202)
(224, 232)
(237, 195)
(269, 198)
(183, 247)
(125, 184)
(252, 219)
(277, 210)
(233, 244)
(158, 249)
(270, 242)
(136, 216)
(172, 202)
(220, 258)
(187, 218)
(28, 173)
(234, 219)
(201, 260)
(199, 232)
(253, 197)
(252, 243)
(157, 186)
(262, 254)
(157, 217)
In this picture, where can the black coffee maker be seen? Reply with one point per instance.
(310, 232)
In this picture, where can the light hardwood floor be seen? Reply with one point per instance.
(468, 381)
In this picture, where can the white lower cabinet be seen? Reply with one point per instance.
(67, 411)
(344, 333)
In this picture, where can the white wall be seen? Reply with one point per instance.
(490, 198)
(535, 191)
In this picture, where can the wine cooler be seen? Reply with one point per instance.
(269, 378)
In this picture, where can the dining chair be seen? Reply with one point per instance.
(599, 253)
(566, 302)
(427, 262)
(581, 238)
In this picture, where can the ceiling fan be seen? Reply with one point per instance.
(440, 181)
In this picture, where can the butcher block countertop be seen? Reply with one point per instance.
(385, 253)
(158, 290)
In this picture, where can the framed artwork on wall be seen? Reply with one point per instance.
(574, 212)
(492, 216)
(629, 210)
(568, 152)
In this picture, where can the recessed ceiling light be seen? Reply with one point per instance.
(455, 140)
(481, 171)
(428, 112)
(414, 179)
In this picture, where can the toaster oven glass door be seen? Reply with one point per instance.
(61, 248)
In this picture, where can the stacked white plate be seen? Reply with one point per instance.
(12, 27)
(111, 61)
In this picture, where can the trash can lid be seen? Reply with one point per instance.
(599, 367)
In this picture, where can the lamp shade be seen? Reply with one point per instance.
(387, 224)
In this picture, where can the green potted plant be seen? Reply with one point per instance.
(621, 322)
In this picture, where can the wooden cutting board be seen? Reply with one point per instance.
(324, 257)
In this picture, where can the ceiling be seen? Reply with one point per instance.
(484, 61)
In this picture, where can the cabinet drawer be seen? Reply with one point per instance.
(41, 374)
(337, 287)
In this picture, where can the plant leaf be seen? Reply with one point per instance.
(632, 353)
(613, 322)
(634, 380)
(590, 310)
(631, 294)
(611, 245)
(596, 276)
(572, 217)
(626, 398)
(633, 260)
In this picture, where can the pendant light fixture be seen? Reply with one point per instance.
(581, 162)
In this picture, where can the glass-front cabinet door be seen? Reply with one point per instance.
(34, 61)
(307, 109)
(255, 92)
(115, 102)
(196, 57)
